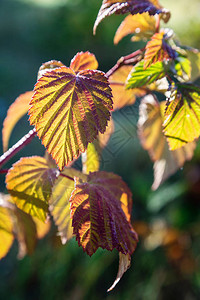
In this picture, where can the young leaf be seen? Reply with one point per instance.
(15, 112)
(30, 181)
(97, 216)
(140, 77)
(166, 162)
(143, 26)
(182, 116)
(110, 7)
(59, 205)
(121, 96)
(182, 68)
(84, 61)
(69, 109)
(158, 50)
(6, 230)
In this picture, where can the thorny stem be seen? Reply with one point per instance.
(17, 147)
(130, 59)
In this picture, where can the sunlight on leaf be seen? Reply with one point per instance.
(91, 158)
(41, 227)
(30, 181)
(121, 96)
(157, 50)
(140, 77)
(68, 110)
(142, 26)
(110, 7)
(15, 112)
(84, 61)
(166, 162)
(182, 116)
(97, 216)
(49, 66)
(59, 205)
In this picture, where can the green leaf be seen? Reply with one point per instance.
(140, 77)
(69, 110)
(59, 204)
(30, 181)
(182, 115)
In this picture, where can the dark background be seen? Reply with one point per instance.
(33, 32)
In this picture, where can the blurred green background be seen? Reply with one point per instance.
(166, 262)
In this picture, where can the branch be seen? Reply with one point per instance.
(66, 176)
(130, 59)
(17, 147)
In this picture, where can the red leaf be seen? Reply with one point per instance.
(84, 61)
(97, 214)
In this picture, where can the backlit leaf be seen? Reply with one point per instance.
(6, 230)
(183, 68)
(182, 115)
(49, 66)
(41, 227)
(194, 58)
(15, 112)
(158, 50)
(97, 216)
(91, 158)
(59, 205)
(124, 264)
(140, 77)
(84, 61)
(30, 181)
(166, 162)
(103, 138)
(122, 96)
(110, 7)
(141, 25)
(68, 110)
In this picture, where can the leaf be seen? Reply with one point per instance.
(182, 68)
(6, 229)
(91, 158)
(121, 96)
(25, 231)
(68, 110)
(158, 50)
(124, 264)
(182, 116)
(84, 61)
(140, 77)
(49, 66)
(166, 162)
(59, 205)
(30, 181)
(110, 7)
(194, 58)
(41, 227)
(141, 25)
(103, 138)
(97, 216)
(15, 112)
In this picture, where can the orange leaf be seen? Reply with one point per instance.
(157, 50)
(121, 96)
(97, 214)
(49, 66)
(84, 61)
(142, 25)
(15, 112)
(30, 181)
(68, 110)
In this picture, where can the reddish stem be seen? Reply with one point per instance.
(4, 171)
(66, 176)
(17, 147)
(130, 59)
(157, 23)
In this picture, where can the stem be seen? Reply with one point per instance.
(17, 147)
(157, 23)
(130, 59)
(4, 171)
(66, 176)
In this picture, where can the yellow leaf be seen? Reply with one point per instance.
(68, 110)
(30, 181)
(59, 205)
(142, 26)
(15, 112)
